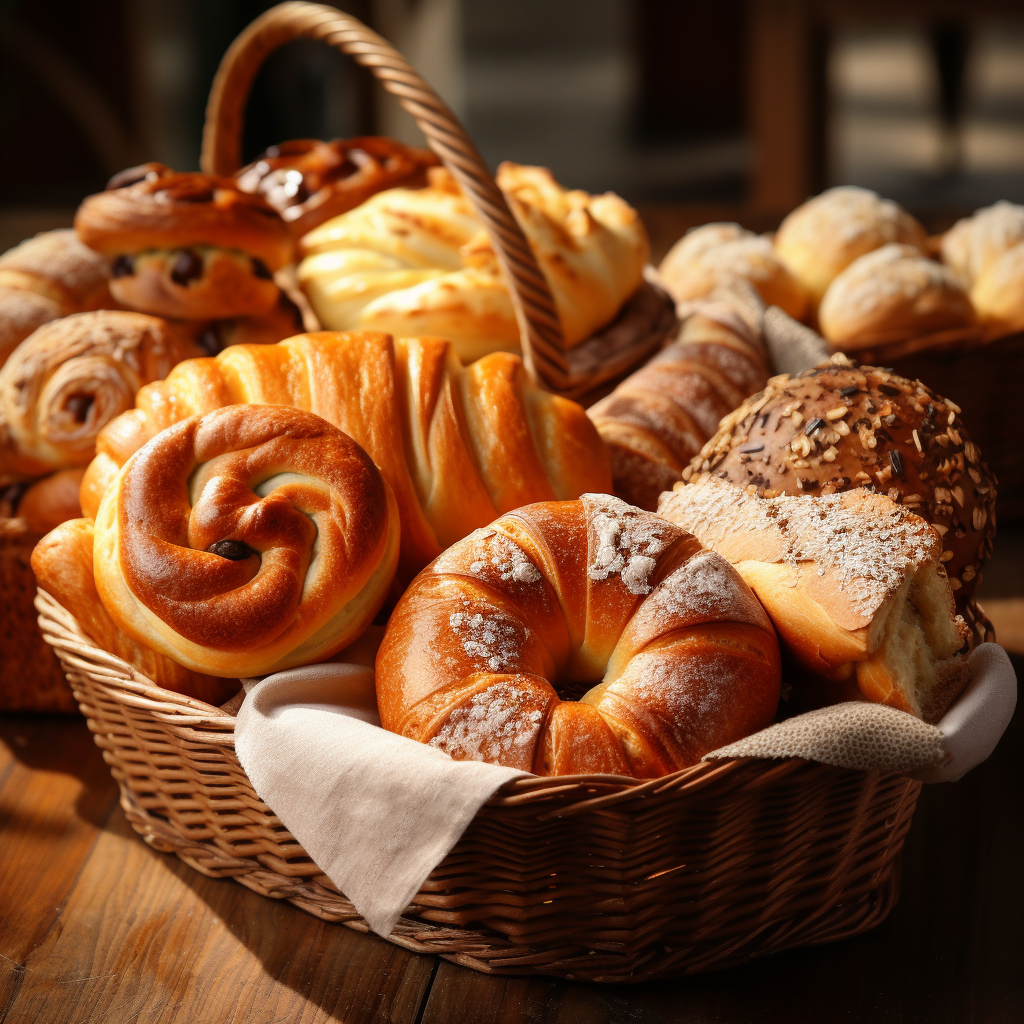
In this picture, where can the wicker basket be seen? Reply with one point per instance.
(575, 372)
(31, 677)
(589, 877)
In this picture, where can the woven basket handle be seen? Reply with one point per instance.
(539, 328)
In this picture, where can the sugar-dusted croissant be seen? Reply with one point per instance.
(852, 582)
(458, 445)
(245, 541)
(485, 650)
(74, 375)
(658, 418)
(63, 565)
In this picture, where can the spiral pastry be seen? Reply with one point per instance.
(246, 541)
(71, 377)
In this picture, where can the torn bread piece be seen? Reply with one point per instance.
(852, 582)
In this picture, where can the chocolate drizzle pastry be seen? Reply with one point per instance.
(843, 425)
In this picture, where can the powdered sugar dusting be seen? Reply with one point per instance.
(704, 589)
(497, 555)
(628, 542)
(869, 549)
(491, 639)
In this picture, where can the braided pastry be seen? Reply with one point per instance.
(245, 541)
(308, 181)
(416, 262)
(658, 418)
(74, 375)
(675, 654)
(458, 446)
(186, 245)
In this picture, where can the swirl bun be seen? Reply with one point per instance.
(72, 376)
(245, 541)
(186, 245)
(308, 181)
(485, 648)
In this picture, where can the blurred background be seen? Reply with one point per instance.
(736, 109)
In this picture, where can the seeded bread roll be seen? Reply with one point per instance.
(717, 255)
(827, 233)
(895, 301)
(186, 245)
(842, 426)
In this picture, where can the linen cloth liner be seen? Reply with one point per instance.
(378, 812)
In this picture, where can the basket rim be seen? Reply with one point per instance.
(204, 723)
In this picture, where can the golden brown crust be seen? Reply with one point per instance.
(843, 426)
(63, 565)
(22, 312)
(893, 300)
(245, 541)
(458, 446)
(826, 234)
(71, 377)
(308, 181)
(57, 265)
(673, 650)
(51, 501)
(153, 207)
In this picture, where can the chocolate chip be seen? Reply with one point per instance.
(896, 461)
(260, 269)
(209, 341)
(188, 267)
(235, 550)
(124, 266)
(79, 406)
(814, 425)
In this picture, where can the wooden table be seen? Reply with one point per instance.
(96, 927)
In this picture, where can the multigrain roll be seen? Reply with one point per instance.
(672, 654)
(308, 181)
(717, 255)
(843, 426)
(245, 541)
(193, 246)
(894, 301)
(826, 234)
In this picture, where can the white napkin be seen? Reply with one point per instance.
(378, 812)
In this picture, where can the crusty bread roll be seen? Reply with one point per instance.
(717, 255)
(459, 446)
(308, 181)
(894, 301)
(998, 294)
(63, 565)
(851, 581)
(673, 652)
(843, 426)
(71, 377)
(46, 277)
(186, 245)
(975, 243)
(658, 418)
(46, 503)
(246, 541)
(827, 233)
(416, 262)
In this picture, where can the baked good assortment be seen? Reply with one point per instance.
(418, 262)
(659, 417)
(457, 445)
(674, 654)
(717, 255)
(852, 582)
(844, 426)
(308, 181)
(192, 246)
(74, 375)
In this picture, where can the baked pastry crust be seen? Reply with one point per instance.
(672, 649)
(57, 265)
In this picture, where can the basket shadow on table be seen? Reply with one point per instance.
(947, 951)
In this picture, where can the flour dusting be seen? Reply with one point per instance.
(628, 541)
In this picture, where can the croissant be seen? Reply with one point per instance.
(74, 375)
(246, 541)
(63, 565)
(851, 581)
(484, 651)
(658, 418)
(458, 445)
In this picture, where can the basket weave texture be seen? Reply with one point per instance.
(588, 877)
